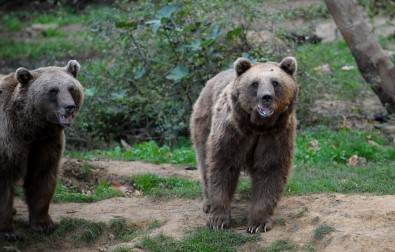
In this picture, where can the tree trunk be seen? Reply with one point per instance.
(374, 65)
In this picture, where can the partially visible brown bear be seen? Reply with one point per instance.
(35, 106)
(244, 119)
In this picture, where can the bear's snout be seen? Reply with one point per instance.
(267, 98)
(69, 108)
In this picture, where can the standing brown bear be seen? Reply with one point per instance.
(244, 119)
(35, 106)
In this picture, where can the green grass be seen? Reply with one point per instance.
(337, 55)
(337, 146)
(200, 239)
(147, 151)
(10, 23)
(34, 51)
(15, 21)
(76, 232)
(281, 245)
(103, 191)
(168, 187)
(316, 171)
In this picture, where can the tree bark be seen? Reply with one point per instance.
(374, 65)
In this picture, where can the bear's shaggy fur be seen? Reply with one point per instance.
(35, 106)
(244, 119)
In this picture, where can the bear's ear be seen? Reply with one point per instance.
(289, 65)
(23, 75)
(73, 67)
(241, 65)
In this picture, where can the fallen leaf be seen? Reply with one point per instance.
(326, 68)
(313, 145)
(353, 161)
(348, 68)
(346, 123)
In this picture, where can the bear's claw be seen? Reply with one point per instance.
(216, 222)
(10, 236)
(258, 229)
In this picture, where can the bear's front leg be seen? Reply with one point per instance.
(223, 179)
(40, 183)
(6, 208)
(271, 167)
(264, 197)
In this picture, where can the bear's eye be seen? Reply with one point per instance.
(71, 89)
(275, 83)
(255, 84)
(53, 91)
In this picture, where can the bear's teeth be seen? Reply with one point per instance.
(265, 112)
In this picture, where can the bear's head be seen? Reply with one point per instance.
(264, 92)
(50, 94)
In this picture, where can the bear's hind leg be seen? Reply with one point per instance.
(40, 184)
(6, 208)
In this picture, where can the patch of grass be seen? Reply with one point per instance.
(316, 170)
(321, 231)
(200, 239)
(337, 146)
(122, 249)
(281, 222)
(101, 192)
(325, 169)
(34, 51)
(78, 232)
(281, 245)
(10, 23)
(169, 187)
(374, 178)
(337, 55)
(147, 151)
(300, 213)
(123, 231)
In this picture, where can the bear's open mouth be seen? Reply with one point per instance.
(264, 111)
(65, 120)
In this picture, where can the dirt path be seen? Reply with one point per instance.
(360, 222)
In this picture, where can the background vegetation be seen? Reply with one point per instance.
(145, 62)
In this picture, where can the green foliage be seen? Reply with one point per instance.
(101, 192)
(157, 186)
(200, 239)
(165, 56)
(10, 23)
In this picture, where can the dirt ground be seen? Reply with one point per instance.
(360, 222)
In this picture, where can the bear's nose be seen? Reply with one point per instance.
(70, 108)
(267, 98)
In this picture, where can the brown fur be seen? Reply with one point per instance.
(35, 106)
(230, 135)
